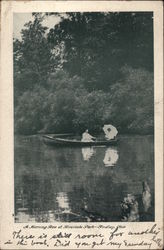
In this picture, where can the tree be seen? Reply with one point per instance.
(32, 56)
(89, 110)
(96, 45)
(30, 111)
(90, 69)
(132, 101)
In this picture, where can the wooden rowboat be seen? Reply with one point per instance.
(73, 142)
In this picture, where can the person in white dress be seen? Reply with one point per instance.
(86, 137)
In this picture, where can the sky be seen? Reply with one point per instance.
(20, 19)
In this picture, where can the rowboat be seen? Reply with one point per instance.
(49, 140)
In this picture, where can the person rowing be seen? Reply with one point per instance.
(86, 137)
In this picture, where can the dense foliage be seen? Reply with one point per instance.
(90, 69)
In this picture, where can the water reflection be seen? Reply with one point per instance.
(135, 206)
(62, 200)
(24, 216)
(146, 196)
(52, 184)
(22, 211)
(130, 211)
(87, 153)
(111, 157)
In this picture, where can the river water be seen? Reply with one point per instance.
(84, 184)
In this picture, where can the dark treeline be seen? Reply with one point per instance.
(90, 69)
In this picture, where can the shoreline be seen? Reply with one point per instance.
(71, 134)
